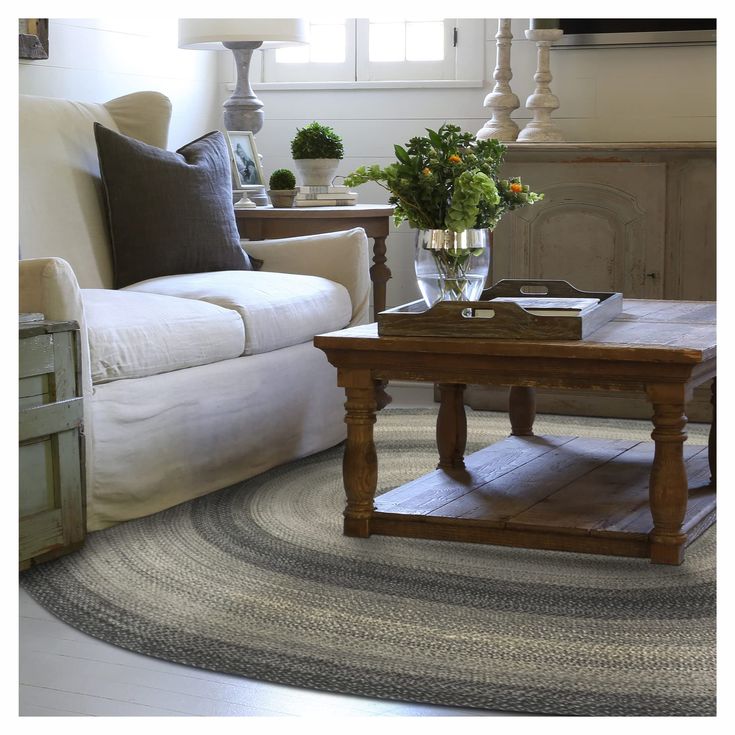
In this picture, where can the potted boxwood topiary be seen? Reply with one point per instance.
(282, 188)
(316, 150)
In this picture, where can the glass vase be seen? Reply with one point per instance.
(452, 266)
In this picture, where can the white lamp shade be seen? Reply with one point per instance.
(210, 33)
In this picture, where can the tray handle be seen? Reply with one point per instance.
(535, 287)
(504, 316)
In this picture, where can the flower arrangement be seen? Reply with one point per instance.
(448, 180)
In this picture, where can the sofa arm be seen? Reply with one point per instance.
(342, 257)
(49, 286)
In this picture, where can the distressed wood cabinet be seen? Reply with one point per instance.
(638, 218)
(51, 488)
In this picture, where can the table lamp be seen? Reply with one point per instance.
(243, 110)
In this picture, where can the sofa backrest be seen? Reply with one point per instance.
(62, 210)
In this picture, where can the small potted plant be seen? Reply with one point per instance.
(316, 150)
(282, 190)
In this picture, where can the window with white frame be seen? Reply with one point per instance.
(381, 49)
(329, 57)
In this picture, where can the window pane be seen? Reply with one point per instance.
(292, 55)
(387, 42)
(327, 43)
(425, 41)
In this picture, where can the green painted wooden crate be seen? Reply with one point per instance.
(51, 496)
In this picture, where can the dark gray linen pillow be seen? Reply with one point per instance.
(169, 213)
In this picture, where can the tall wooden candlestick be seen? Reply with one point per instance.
(501, 100)
(542, 102)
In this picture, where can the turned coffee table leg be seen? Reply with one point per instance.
(382, 398)
(451, 427)
(521, 410)
(668, 488)
(712, 443)
(360, 462)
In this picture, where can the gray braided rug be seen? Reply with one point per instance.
(258, 580)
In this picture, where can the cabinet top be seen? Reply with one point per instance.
(641, 146)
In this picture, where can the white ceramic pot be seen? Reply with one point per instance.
(316, 171)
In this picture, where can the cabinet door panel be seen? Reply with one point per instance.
(692, 223)
(599, 226)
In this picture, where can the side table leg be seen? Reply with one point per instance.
(451, 427)
(521, 410)
(360, 462)
(380, 275)
(712, 443)
(668, 488)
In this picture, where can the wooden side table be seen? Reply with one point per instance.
(51, 487)
(267, 223)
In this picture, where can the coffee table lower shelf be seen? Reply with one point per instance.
(545, 492)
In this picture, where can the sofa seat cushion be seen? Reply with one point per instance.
(278, 309)
(132, 335)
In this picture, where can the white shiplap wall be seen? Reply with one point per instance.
(606, 95)
(94, 60)
(633, 94)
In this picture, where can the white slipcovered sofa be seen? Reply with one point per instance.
(193, 382)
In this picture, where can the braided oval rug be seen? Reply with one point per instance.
(258, 580)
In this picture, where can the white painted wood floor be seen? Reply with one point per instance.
(64, 672)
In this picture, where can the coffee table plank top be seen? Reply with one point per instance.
(622, 481)
(425, 495)
(578, 491)
(522, 489)
(645, 331)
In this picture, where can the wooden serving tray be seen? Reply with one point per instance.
(504, 319)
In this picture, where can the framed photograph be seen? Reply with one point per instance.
(247, 170)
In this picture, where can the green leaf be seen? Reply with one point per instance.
(401, 154)
(435, 139)
(459, 195)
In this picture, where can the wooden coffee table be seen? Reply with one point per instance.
(616, 497)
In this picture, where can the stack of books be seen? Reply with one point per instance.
(325, 196)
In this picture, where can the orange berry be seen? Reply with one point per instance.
(516, 188)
